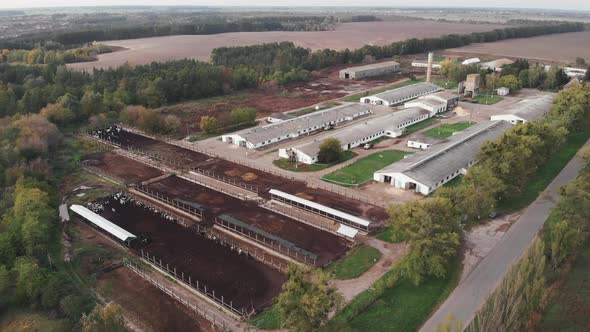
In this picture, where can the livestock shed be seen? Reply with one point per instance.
(275, 132)
(423, 142)
(278, 117)
(526, 110)
(434, 106)
(427, 170)
(497, 65)
(470, 61)
(424, 64)
(401, 95)
(451, 99)
(375, 69)
(103, 224)
(391, 125)
(322, 210)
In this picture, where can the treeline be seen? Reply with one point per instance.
(42, 55)
(206, 25)
(281, 58)
(431, 227)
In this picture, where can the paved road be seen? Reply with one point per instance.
(471, 293)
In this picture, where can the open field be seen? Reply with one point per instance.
(326, 245)
(447, 130)
(563, 47)
(347, 35)
(362, 170)
(238, 278)
(130, 171)
(262, 180)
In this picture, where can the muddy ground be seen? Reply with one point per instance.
(238, 278)
(129, 170)
(327, 246)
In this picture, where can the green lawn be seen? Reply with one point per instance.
(487, 100)
(267, 320)
(547, 172)
(568, 309)
(362, 171)
(420, 125)
(359, 260)
(387, 235)
(394, 305)
(358, 96)
(446, 130)
(285, 164)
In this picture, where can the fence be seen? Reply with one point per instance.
(104, 174)
(198, 212)
(215, 186)
(215, 319)
(266, 242)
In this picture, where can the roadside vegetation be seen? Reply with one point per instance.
(362, 170)
(356, 262)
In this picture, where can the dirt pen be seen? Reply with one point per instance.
(238, 279)
(327, 246)
(126, 170)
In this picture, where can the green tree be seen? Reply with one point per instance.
(92, 103)
(330, 151)
(556, 78)
(102, 319)
(580, 62)
(208, 124)
(509, 81)
(536, 76)
(30, 279)
(306, 299)
(523, 78)
(75, 306)
(6, 286)
(563, 238)
(243, 115)
(431, 229)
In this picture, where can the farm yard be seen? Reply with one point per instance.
(565, 47)
(347, 35)
(247, 282)
(120, 167)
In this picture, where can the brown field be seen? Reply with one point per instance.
(247, 282)
(564, 47)
(130, 171)
(348, 35)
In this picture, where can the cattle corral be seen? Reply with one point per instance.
(120, 167)
(242, 280)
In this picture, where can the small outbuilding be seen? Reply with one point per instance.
(503, 91)
(423, 142)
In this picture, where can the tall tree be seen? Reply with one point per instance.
(330, 151)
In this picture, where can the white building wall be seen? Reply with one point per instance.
(513, 119)
(418, 145)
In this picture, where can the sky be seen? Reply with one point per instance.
(544, 4)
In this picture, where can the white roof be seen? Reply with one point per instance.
(326, 209)
(470, 61)
(101, 222)
(371, 66)
(347, 231)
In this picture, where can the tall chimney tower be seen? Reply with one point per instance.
(429, 68)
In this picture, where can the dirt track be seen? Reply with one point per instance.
(348, 35)
(243, 280)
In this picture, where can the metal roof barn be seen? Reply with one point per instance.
(400, 95)
(103, 223)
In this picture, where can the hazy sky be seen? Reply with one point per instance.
(550, 4)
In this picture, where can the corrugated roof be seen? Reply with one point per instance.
(292, 126)
(531, 108)
(444, 95)
(102, 223)
(364, 129)
(431, 166)
(347, 231)
(372, 66)
(497, 63)
(408, 91)
(324, 208)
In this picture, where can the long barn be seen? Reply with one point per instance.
(401, 95)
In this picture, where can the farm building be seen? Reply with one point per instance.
(423, 142)
(434, 106)
(262, 136)
(526, 110)
(424, 64)
(391, 125)
(503, 91)
(572, 83)
(451, 99)
(375, 69)
(496, 65)
(103, 224)
(470, 61)
(426, 170)
(278, 117)
(401, 95)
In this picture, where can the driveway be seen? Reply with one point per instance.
(474, 289)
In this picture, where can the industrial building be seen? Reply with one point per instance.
(401, 95)
(391, 125)
(262, 136)
(375, 69)
(526, 110)
(426, 170)
(497, 65)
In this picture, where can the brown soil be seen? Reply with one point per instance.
(150, 307)
(326, 245)
(238, 278)
(129, 170)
